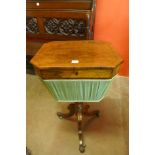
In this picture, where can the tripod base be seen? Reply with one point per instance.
(79, 109)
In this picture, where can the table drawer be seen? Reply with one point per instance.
(76, 74)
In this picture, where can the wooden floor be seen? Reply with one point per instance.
(48, 135)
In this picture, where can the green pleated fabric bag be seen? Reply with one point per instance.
(79, 90)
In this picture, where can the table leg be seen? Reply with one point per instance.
(80, 132)
(93, 113)
(79, 109)
(71, 109)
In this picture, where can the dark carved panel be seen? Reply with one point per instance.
(67, 27)
(31, 25)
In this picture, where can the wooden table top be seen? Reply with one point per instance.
(59, 55)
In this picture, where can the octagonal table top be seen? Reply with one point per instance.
(77, 59)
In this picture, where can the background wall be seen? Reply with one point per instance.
(112, 24)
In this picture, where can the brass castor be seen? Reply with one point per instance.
(60, 117)
(79, 110)
(82, 148)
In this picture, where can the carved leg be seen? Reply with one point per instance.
(93, 113)
(71, 109)
(80, 132)
(79, 110)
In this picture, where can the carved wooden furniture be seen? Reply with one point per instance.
(52, 20)
(77, 72)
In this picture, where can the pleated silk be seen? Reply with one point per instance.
(79, 90)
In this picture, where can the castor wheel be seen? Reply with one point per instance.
(82, 148)
(60, 117)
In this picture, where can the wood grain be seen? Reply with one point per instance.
(60, 4)
(97, 59)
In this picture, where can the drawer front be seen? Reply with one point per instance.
(80, 5)
(76, 74)
(58, 25)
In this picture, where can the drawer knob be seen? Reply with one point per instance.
(37, 4)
